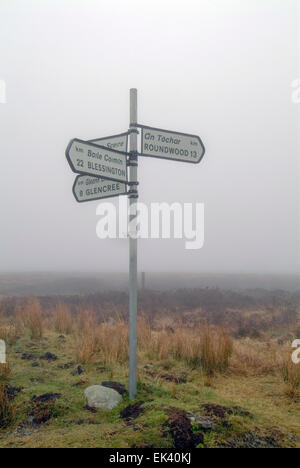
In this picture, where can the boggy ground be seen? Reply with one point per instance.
(181, 402)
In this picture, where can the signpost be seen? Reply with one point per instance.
(176, 146)
(88, 188)
(103, 164)
(133, 251)
(115, 142)
(94, 160)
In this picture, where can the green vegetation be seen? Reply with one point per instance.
(232, 391)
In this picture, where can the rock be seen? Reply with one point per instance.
(102, 397)
(203, 423)
(115, 386)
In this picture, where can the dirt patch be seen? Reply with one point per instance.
(90, 409)
(132, 411)
(273, 439)
(222, 411)
(79, 422)
(49, 357)
(80, 382)
(68, 365)
(179, 427)
(46, 397)
(28, 357)
(217, 411)
(176, 378)
(42, 408)
(37, 380)
(142, 446)
(241, 412)
(115, 386)
(78, 371)
(12, 392)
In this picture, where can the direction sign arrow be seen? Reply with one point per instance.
(94, 160)
(167, 144)
(116, 142)
(88, 188)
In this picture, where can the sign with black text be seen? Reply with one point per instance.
(115, 142)
(89, 159)
(170, 145)
(87, 188)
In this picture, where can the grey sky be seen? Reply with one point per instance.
(218, 68)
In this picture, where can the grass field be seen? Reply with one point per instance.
(199, 386)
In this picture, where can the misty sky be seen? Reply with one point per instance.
(221, 69)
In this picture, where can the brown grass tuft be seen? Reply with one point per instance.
(9, 334)
(290, 374)
(33, 319)
(208, 348)
(5, 372)
(7, 409)
(253, 357)
(106, 342)
(62, 319)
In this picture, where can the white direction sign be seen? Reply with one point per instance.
(176, 146)
(88, 188)
(116, 142)
(94, 160)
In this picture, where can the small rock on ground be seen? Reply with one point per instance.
(102, 397)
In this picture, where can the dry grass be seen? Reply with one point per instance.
(290, 374)
(62, 319)
(7, 409)
(207, 347)
(33, 319)
(105, 342)
(9, 333)
(5, 372)
(254, 357)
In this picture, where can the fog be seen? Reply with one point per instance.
(220, 69)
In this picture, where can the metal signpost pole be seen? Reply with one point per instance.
(133, 248)
(103, 173)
